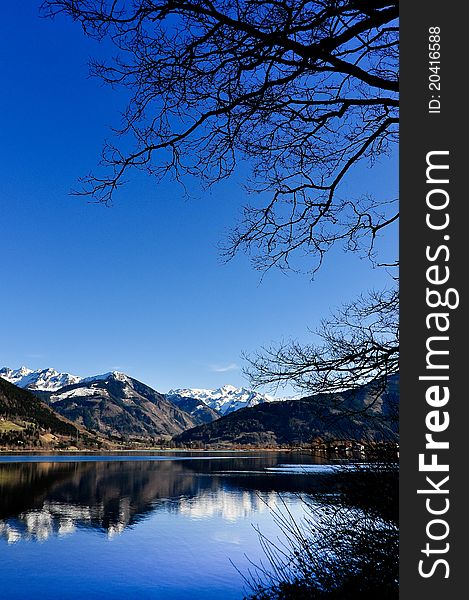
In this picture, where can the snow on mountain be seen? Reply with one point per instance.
(90, 387)
(224, 400)
(81, 392)
(48, 380)
(105, 376)
(115, 404)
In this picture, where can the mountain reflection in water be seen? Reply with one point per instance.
(40, 499)
(173, 526)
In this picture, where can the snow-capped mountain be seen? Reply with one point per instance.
(116, 404)
(48, 380)
(221, 401)
(224, 400)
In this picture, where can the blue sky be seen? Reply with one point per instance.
(138, 287)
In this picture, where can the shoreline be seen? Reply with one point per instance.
(140, 450)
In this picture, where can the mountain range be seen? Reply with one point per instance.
(114, 404)
(224, 400)
(221, 401)
(116, 407)
(369, 412)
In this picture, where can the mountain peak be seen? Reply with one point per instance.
(228, 389)
(116, 375)
(224, 400)
(23, 371)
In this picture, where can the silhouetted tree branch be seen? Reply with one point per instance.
(304, 90)
(357, 344)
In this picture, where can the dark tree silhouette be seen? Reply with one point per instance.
(345, 547)
(303, 91)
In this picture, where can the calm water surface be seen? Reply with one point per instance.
(163, 526)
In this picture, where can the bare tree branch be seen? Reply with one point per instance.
(303, 90)
(357, 344)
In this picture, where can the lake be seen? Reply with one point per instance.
(173, 525)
